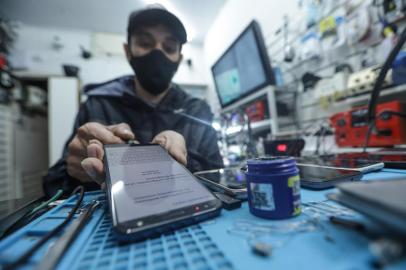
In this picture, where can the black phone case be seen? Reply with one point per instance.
(331, 183)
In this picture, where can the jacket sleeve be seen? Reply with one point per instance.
(57, 176)
(207, 156)
(204, 153)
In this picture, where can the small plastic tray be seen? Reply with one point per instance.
(96, 247)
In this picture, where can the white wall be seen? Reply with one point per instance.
(233, 18)
(197, 73)
(33, 50)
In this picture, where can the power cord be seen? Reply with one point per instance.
(23, 258)
(31, 215)
(373, 102)
(385, 115)
(57, 195)
(388, 113)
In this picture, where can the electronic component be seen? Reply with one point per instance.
(229, 180)
(321, 177)
(288, 147)
(228, 202)
(335, 161)
(331, 89)
(358, 26)
(351, 127)
(348, 223)
(262, 249)
(237, 74)
(363, 81)
(256, 111)
(394, 10)
(159, 193)
(36, 96)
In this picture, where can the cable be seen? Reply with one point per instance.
(389, 112)
(23, 258)
(30, 215)
(371, 126)
(57, 195)
(373, 102)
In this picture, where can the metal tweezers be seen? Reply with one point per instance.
(57, 249)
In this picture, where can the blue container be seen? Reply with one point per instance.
(273, 187)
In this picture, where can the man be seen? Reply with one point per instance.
(146, 107)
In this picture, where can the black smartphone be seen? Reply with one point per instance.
(319, 177)
(338, 162)
(150, 193)
(230, 181)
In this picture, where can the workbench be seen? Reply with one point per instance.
(211, 244)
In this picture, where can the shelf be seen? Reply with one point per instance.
(362, 97)
(26, 74)
(288, 133)
(261, 125)
(255, 127)
(365, 97)
(258, 126)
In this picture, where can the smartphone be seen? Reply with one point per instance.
(150, 193)
(335, 161)
(230, 181)
(394, 158)
(319, 177)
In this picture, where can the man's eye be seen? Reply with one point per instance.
(170, 47)
(145, 43)
(169, 50)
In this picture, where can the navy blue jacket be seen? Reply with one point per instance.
(115, 102)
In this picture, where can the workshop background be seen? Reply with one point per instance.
(325, 57)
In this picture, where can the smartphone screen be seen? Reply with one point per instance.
(232, 178)
(146, 181)
(322, 174)
(339, 162)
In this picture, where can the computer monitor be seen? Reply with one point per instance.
(244, 67)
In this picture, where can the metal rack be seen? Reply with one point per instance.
(272, 122)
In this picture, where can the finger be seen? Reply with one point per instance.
(99, 132)
(76, 171)
(179, 155)
(94, 168)
(81, 175)
(73, 161)
(181, 158)
(161, 140)
(94, 141)
(123, 131)
(95, 149)
(76, 147)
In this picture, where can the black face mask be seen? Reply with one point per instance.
(154, 71)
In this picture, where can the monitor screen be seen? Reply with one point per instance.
(243, 68)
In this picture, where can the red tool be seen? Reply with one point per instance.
(351, 127)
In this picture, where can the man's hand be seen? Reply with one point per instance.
(85, 151)
(174, 143)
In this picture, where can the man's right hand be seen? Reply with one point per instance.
(84, 149)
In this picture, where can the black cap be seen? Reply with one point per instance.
(157, 14)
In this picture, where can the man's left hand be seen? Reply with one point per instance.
(174, 143)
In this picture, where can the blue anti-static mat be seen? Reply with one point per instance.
(96, 247)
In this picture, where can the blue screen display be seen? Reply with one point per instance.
(240, 70)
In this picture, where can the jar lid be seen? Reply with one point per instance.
(274, 160)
